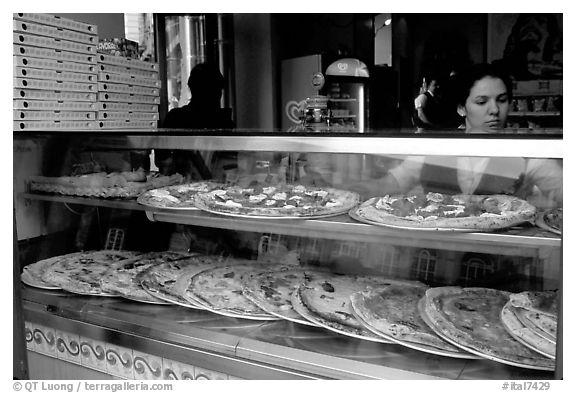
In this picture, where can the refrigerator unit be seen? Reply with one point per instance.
(346, 86)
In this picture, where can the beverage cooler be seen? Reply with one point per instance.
(346, 87)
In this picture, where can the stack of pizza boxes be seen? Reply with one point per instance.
(55, 73)
(128, 93)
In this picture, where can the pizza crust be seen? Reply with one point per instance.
(393, 311)
(515, 211)
(470, 319)
(316, 202)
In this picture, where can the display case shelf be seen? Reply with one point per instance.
(522, 240)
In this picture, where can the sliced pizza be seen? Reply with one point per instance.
(180, 196)
(543, 302)
(272, 291)
(80, 273)
(121, 277)
(445, 212)
(470, 319)
(164, 282)
(524, 334)
(392, 311)
(219, 290)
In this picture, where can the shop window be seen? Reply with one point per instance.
(424, 266)
(475, 268)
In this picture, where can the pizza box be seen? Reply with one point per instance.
(127, 79)
(51, 95)
(53, 64)
(54, 75)
(57, 21)
(43, 84)
(49, 53)
(41, 105)
(25, 115)
(122, 97)
(127, 62)
(21, 26)
(128, 89)
(54, 43)
(47, 125)
(126, 107)
(134, 72)
(108, 115)
(126, 124)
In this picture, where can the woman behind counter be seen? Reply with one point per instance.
(483, 97)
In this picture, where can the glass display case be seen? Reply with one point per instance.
(116, 337)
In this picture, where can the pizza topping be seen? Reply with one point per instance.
(281, 196)
(299, 189)
(257, 198)
(232, 204)
(435, 197)
(268, 190)
(327, 286)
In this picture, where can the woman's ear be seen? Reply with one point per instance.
(461, 110)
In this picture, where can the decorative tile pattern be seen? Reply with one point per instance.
(119, 361)
(44, 340)
(68, 347)
(93, 354)
(147, 366)
(177, 370)
(202, 373)
(28, 329)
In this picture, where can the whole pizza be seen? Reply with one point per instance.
(180, 196)
(393, 312)
(32, 274)
(445, 212)
(219, 290)
(272, 291)
(470, 319)
(81, 272)
(166, 281)
(280, 201)
(121, 277)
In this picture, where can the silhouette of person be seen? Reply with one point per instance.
(206, 84)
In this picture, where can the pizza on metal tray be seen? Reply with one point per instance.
(470, 319)
(81, 272)
(442, 211)
(219, 289)
(281, 201)
(121, 277)
(393, 312)
(180, 196)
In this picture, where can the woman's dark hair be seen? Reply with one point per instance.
(466, 79)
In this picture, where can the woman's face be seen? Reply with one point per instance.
(487, 105)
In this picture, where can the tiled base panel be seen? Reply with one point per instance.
(113, 360)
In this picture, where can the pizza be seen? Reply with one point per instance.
(272, 291)
(180, 196)
(524, 334)
(281, 201)
(543, 302)
(81, 272)
(121, 277)
(447, 212)
(470, 319)
(541, 324)
(164, 282)
(393, 312)
(32, 274)
(551, 220)
(219, 290)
